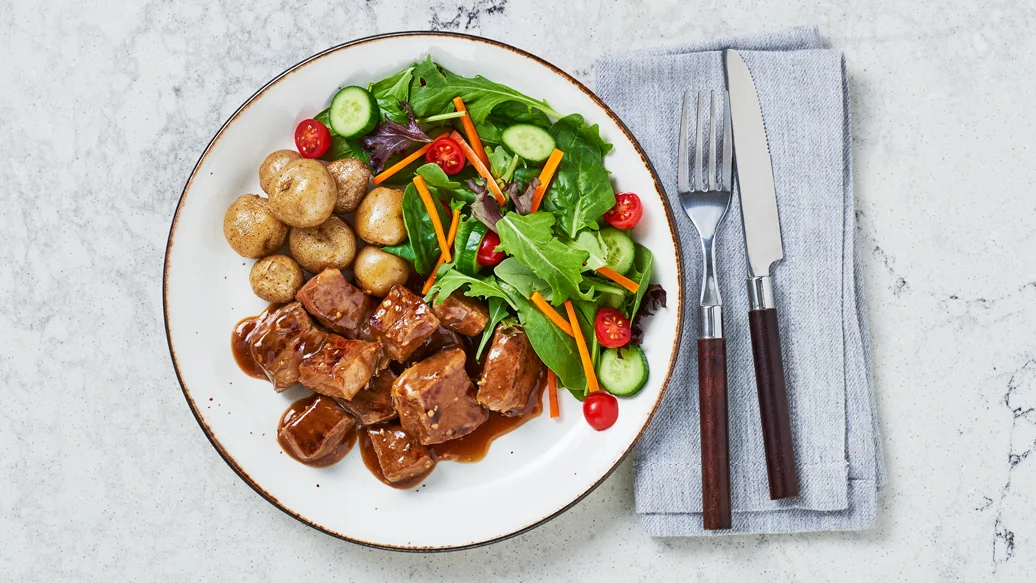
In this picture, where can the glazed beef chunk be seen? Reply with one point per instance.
(317, 431)
(461, 314)
(335, 303)
(341, 367)
(373, 404)
(441, 339)
(280, 342)
(399, 455)
(511, 372)
(436, 400)
(402, 322)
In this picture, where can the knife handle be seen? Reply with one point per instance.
(773, 404)
(715, 445)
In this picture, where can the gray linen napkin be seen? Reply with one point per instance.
(803, 93)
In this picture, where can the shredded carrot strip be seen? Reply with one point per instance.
(550, 313)
(584, 354)
(469, 129)
(619, 278)
(387, 173)
(454, 224)
(429, 205)
(545, 175)
(552, 393)
(481, 168)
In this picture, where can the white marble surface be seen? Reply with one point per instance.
(104, 109)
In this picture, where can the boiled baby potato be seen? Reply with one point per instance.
(272, 166)
(351, 176)
(377, 271)
(331, 244)
(276, 278)
(304, 194)
(379, 219)
(251, 229)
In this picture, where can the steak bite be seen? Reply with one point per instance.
(341, 367)
(373, 404)
(441, 339)
(315, 432)
(461, 314)
(436, 400)
(400, 456)
(401, 322)
(281, 340)
(335, 303)
(511, 372)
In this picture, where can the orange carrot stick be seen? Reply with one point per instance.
(481, 168)
(584, 354)
(469, 129)
(552, 393)
(619, 278)
(545, 175)
(429, 205)
(550, 313)
(454, 224)
(387, 173)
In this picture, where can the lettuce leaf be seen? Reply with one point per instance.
(390, 92)
(530, 240)
(581, 191)
(419, 229)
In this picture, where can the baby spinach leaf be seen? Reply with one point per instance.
(580, 191)
(420, 231)
(507, 114)
(465, 246)
(556, 349)
(497, 312)
(433, 87)
(404, 250)
(530, 239)
(389, 92)
(343, 148)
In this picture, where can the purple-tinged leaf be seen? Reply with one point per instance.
(523, 201)
(485, 208)
(654, 298)
(390, 138)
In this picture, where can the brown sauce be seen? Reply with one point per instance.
(239, 344)
(335, 456)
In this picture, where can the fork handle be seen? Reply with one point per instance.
(715, 445)
(773, 403)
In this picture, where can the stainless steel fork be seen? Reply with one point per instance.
(705, 196)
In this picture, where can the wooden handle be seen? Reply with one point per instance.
(773, 404)
(715, 445)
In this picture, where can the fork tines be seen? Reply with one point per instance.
(697, 178)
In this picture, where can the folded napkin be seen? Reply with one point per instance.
(805, 104)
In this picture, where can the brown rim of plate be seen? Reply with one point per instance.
(369, 39)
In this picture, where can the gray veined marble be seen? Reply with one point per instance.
(105, 107)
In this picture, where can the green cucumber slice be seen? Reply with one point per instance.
(354, 112)
(532, 143)
(620, 249)
(623, 377)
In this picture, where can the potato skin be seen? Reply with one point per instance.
(379, 218)
(272, 166)
(251, 228)
(351, 177)
(304, 194)
(377, 271)
(332, 244)
(276, 278)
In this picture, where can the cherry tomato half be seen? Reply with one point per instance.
(312, 138)
(447, 154)
(600, 410)
(626, 213)
(612, 328)
(487, 257)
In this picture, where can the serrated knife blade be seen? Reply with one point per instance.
(754, 169)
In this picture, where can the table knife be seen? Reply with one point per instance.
(764, 248)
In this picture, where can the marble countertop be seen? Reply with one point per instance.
(106, 106)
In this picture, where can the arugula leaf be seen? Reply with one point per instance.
(390, 92)
(432, 89)
(450, 280)
(497, 312)
(512, 271)
(556, 349)
(581, 191)
(507, 114)
(499, 160)
(608, 293)
(404, 250)
(640, 273)
(530, 239)
(594, 245)
(419, 229)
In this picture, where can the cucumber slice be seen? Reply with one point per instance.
(354, 112)
(621, 250)
(623, 377)
(532, 143)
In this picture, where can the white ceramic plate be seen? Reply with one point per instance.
(531, 474)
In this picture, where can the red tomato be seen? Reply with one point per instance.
(612, 328)
(487, 257)
(312, 138)
(626, 212)
(600, 410)
(447, 154)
